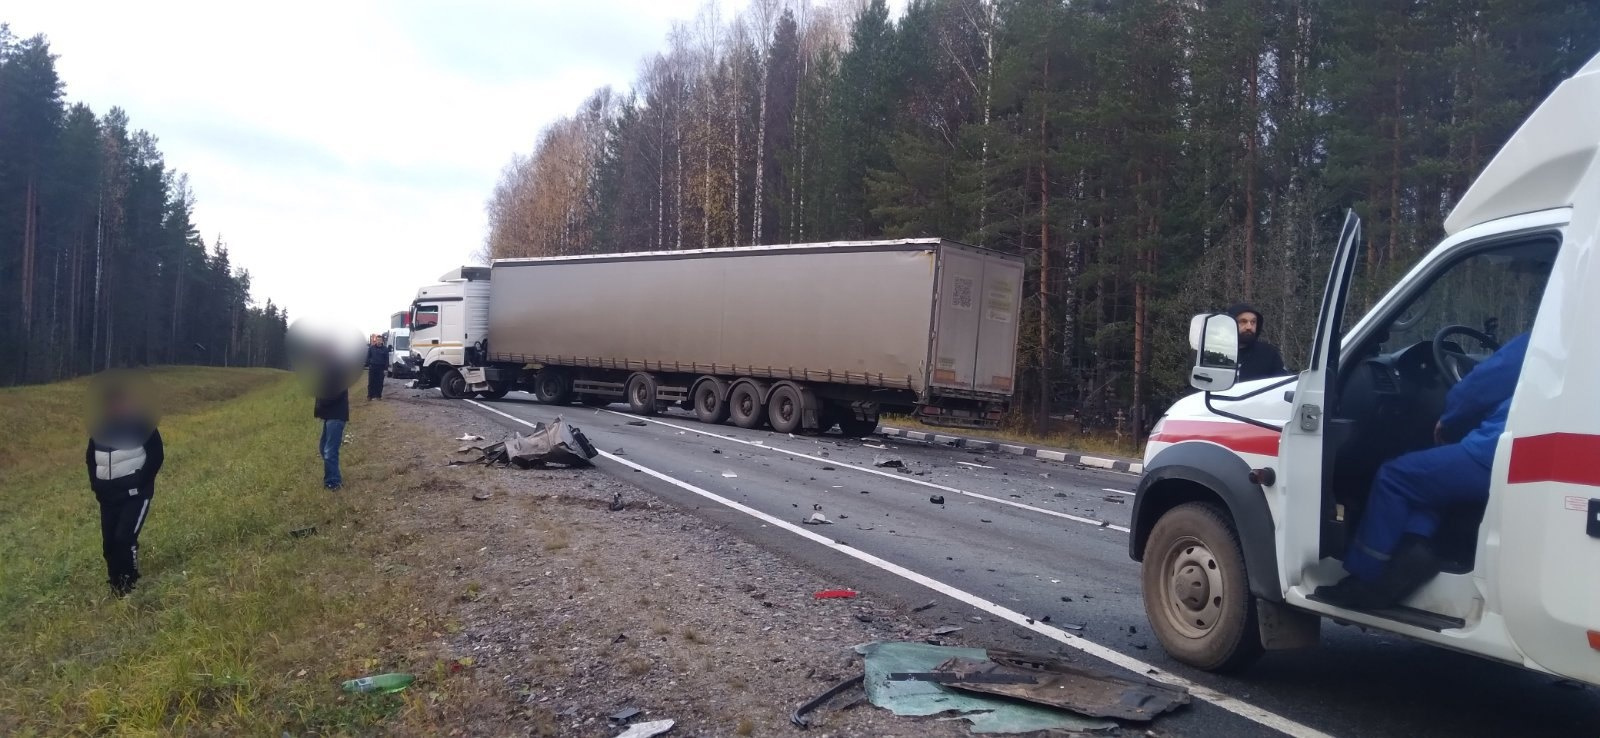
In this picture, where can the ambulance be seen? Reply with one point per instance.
(1251, 492)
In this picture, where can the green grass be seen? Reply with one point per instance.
(236, 627)
(1106, 443)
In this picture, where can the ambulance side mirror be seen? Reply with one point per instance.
(1215, 340)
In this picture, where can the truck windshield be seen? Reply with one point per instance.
(427, 316)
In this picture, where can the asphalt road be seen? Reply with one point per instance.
(1046, 539)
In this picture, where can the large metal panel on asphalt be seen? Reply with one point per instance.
(857, 312)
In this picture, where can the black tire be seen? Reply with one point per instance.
(595, 400)
(452, 385)
(552, 388)
(745, 408)
(496, 391)
(785, 409)
(642, 394)
(709, 404)
(1197, 592)
(856, 428)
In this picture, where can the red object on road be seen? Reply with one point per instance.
(835, 594)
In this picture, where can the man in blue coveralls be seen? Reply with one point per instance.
(1389, 558)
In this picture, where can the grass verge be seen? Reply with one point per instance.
(237, 627)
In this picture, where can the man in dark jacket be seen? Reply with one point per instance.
(333, 409)
(377, 362)
(124, 455)
(1257, 358)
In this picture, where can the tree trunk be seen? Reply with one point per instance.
(761, 159)
(1042, 418)
(1250, 183)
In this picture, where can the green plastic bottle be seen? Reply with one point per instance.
(381, 684)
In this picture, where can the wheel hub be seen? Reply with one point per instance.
(1194, 585)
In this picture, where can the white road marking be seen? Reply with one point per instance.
(896, 476)
(1118, 491)
(1227, 702)
(975, 466)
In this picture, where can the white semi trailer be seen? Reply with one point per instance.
(801, 337)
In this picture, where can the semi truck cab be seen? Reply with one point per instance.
(1252, 492)
(447, 318)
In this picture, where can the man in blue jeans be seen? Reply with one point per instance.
(333, 409)
(1390, 558)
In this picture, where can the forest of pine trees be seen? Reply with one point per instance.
(1150, 158)
(101, 265)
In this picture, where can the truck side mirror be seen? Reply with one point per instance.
(1215, 339)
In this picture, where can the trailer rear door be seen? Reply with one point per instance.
(996, 359)
(958, 310)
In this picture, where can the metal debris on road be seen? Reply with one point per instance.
(729, 475)
(639, 423)
(920, 608)
(888, 462)
(948, 630)
(936, 499)
(469, 437)
(801, 716)
(647, 730)
(616, 502)
(303, 532)
(626, 714)
(557, 443)
(481, 496)
(1056, 683)
(987, 713)
(817, 519)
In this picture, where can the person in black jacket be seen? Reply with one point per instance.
(377, 361)
(124, 455)
(1257, 358)
(333, 409)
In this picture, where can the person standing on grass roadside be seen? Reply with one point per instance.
(377, 361)
(124, 455)
(333, 409)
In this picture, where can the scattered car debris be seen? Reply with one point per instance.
(616, 502)
(987, 713)
(1057, 683)
(303, 532)
(920, 608)
(828, 468)
(716, 450)
(936, 499)
(801, 716)
(557, 443)
(836, 594)
(888, 462)
(469, 437)
(646, 730)
(639, 423)
(948, 630)
(481, 496)
(625, 714)
(729, 475)
(817, 519)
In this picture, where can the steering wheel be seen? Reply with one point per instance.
(1454, 364)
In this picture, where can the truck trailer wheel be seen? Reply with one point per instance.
(642, 394)
(452, 385)
(784, 409)
(552, 388)
(745, 407)
(1196, 592)
(710, 402)
(496, 391)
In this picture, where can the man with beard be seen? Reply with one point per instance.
(1257, 358)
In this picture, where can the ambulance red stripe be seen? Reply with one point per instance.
(1555, 457)
(1241, 437)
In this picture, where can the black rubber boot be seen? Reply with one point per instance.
(1413, 565)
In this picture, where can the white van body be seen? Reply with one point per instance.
(1283, 461)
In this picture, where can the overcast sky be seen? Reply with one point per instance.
(344, 150)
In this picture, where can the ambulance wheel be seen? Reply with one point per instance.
(1196, 591)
